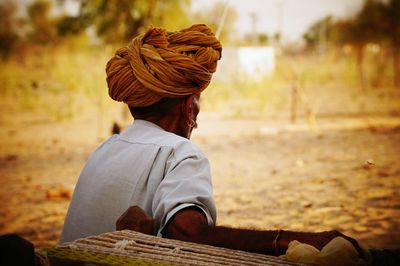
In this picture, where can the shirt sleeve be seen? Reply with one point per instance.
(187, 183)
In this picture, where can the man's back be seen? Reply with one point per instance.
(145, 166)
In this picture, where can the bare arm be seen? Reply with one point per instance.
(191, 225)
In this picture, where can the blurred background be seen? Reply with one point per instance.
(301, 122)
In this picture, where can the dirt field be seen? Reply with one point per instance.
(267, 174)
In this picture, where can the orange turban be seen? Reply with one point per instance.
(160, 64)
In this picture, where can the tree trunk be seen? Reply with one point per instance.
(379, 70)
(396, 65)
(360, 65)
(293, 113)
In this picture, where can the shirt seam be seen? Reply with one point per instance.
(143, 143)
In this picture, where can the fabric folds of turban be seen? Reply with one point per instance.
(160, 64)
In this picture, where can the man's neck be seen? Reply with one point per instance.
(169, 123)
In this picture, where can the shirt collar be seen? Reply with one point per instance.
(146, 123)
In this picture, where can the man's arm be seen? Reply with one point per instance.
(190, 224)
(134, 218)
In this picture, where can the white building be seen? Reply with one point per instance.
(246, 62)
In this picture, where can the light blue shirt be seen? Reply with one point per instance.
(146, 166)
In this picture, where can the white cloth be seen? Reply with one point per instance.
(145, 166)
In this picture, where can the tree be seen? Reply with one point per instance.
(43, 28)
(72, 25)
(262, 38)
(378, 22)
(366, 26)
(121, 20)
(8, 35)
(318, 32)
(349, 32)
(393, 33)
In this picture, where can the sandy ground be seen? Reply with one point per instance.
(266, 174)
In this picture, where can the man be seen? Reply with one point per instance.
(152, 165)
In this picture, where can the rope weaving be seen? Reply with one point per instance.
(133, 248)
(160, 64)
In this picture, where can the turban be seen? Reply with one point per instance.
(159, 64)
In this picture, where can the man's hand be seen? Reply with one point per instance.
(134, 218)
(319, 240)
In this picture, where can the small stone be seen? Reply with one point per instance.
(62, 193)
(11, 157)
(369, 164)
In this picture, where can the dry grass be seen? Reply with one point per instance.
(59, 83)
(328, 85)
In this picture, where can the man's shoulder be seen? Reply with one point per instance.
(181, 147)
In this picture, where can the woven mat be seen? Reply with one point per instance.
(133, 248)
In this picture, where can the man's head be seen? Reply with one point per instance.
(160, 69)
(160, 64)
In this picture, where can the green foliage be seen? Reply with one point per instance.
(262, 39)
(115, 21)
(320, 29)
(121, 20)
(70, 26)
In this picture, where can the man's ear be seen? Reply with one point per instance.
(188, 106)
